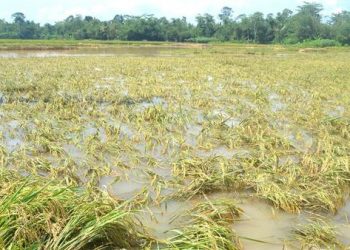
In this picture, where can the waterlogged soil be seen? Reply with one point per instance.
(260, 227)
(153, 51)
(146, 125)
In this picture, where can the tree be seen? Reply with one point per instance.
(307, 22)
(18, 17)
(88, 19)
(226, 15)
(283, 22)
(341, 26)
(286, 27)
(206, 25)
(118, 19)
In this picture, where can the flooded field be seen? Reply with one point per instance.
(219, 147)
(154, 51)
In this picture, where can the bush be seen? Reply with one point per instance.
(321, 43)
(202, 40)
(290, 40)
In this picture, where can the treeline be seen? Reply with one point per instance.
(305, 24)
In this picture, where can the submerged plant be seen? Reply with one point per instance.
(209, 227)
(317, 233)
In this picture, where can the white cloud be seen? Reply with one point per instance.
(106, 9)
(53, 10)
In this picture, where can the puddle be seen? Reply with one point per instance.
(300, 139)
(264, 227)
(276, 103)
(247, 104)
(154, 51)
(164, 218)
(342, 223)
(127, 184)
(101, 86)
(2, 98)
(53, 161)
(124, 129)
(233, 122)
(13, 136)
(126, 189)
(192, 133)
(77, 155)
(200, 117)
(248, 83)
(288, 159)
(223, 152)
(159, 153)
(90, 131)
(13, 144)
(156, 152)
(261, 222)
(164, 172)
(337, 112)
(155, 101)
(219, 114)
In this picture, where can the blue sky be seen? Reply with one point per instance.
(50, 11)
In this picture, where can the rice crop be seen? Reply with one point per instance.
(133, 151)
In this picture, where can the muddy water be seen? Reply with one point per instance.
(271, 227)
(155, 101)
(261, 226)
(126, 184)
(12, 136)
(342, 223)
(82, 52)
(76, 154)
(193, 131)
(297, 137)
(163, 218)
(224, 152)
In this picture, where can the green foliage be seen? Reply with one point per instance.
(284, 27)
(341, 27)
(320, 43)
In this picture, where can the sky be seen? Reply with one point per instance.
(50, 11)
